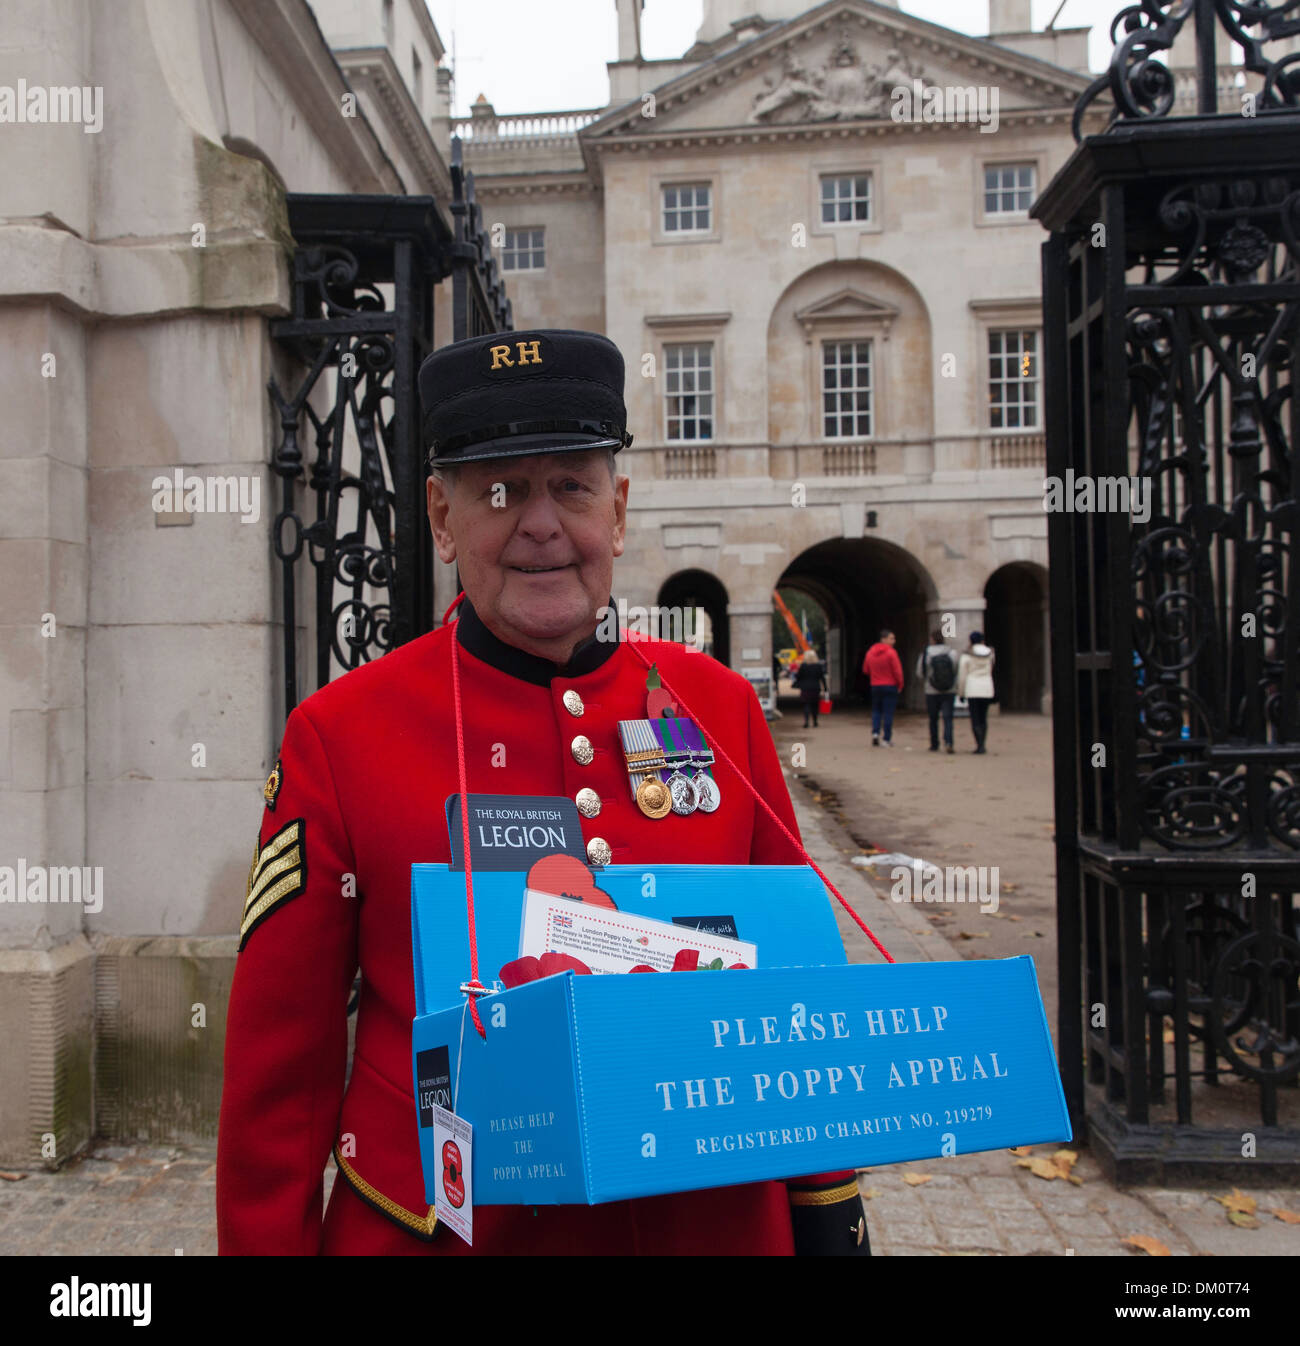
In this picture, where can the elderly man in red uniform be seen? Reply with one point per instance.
(524, 499)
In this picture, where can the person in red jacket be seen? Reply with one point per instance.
(525, 501)
(883, 666)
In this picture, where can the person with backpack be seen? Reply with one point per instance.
(975, 683)
(883, 666)
(938, 666)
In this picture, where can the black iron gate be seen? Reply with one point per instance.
(1172, 325)
(364, 273)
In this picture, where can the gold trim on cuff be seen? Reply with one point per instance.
(423, 1225)
(830, 1196)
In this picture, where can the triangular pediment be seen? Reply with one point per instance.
(840, 62)
(846, 303)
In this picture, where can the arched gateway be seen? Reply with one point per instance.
(862, 585)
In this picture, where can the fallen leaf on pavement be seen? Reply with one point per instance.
(1015, 918)
(1169, 1035)
(1008, 887)
(1040, 1167)
(916, 1179)
(968, 934)
(1022, 1149)
(1152, 1247)
(11, 1177)
(1242, 1220)
(870, 1192)
(1286, 1216)
(1065, 1160)
(1238, 1201)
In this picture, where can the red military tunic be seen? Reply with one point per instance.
(357, 797)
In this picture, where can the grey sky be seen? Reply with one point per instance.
(549, 55)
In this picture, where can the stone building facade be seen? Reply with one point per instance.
(815, 194)
(850, 288)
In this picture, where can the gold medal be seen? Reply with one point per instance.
(653, 798)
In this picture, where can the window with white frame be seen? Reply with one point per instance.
(524, 250)
(688, 208)
(688, 390)
(846, 389)
(846, 198)
(1013, 379)
(1009, 189)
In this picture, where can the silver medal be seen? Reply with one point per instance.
(706, 788)
(686, 798)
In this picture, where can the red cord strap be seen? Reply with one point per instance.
(472, 988)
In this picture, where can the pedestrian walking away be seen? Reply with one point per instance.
(883, 666)
(810, 679)
(938, 666)
(975, 683)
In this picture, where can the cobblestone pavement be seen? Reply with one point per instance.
(147, 1200)
(983, 1204)
(153, 1201)
(159, 1201)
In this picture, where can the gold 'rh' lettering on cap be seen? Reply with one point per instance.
(530, 353)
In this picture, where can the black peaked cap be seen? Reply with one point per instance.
(516, 393)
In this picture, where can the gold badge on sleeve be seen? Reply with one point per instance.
(279, 873)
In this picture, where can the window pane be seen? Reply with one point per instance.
(687, 392)
(1013, 379)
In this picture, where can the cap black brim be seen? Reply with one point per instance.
(524, 446)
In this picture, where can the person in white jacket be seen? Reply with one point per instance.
(975, 683)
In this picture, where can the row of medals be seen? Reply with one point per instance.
(680, 793)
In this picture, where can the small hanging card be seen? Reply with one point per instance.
(453, 1142)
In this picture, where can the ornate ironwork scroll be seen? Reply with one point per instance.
(1141, 84)
(478, 295)
(363, 279)
(1172, 338)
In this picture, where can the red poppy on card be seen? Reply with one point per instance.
(528, 969)
(567, 876)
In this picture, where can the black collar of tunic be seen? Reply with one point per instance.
(517, 663)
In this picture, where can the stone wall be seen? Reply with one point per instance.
(140, 679)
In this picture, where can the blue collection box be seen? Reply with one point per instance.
(601, 1088)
